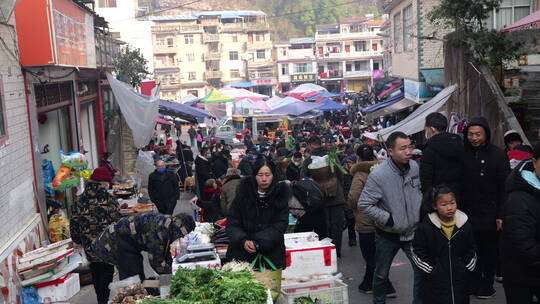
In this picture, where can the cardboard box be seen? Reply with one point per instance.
(60, 290)
(318, 258)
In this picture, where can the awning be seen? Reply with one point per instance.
(162, 121)
(183, 109)
(241, 85)
(398, 106)
(387, 102)
(529, 22)
(415, 122)
(434, 77)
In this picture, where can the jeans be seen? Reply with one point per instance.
(386, 250)
(367, 247)
(102, 276)
(335, 221)
(193, 142)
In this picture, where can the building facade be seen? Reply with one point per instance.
(348, 52)
(212, 49)
(296, 62)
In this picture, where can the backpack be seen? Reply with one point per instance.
(310, 194)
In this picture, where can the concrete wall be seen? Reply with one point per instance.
(18, 212)
(405, 64)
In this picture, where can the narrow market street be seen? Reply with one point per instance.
(351, 266)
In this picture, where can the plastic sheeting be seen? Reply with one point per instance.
(145, 166)
(140, 113)
(414, 123)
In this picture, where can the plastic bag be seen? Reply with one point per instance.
(58, 228)
(145, 166)
(73, 159)
(271, 278)
(318, 162)
(30, 296)
(130, 287)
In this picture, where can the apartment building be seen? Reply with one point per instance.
(348, 52)
(296, 62)
(212, 49)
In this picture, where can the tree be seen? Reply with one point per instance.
(130, 66)
(467, 18)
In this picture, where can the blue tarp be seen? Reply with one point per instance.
(296, 109)
(182, 108)
(326, 95)
(385, 103)
(330, 105)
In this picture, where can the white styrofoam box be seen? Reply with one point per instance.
(212, 264)
(319, 258)
(293, 239)
(61, 292)
(326, 291)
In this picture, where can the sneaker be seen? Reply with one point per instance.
(485, 293)
(499, 279)
(365, 287)
(391, 291)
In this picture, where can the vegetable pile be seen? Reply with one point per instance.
(209, 286)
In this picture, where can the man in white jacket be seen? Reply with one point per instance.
(392, 198)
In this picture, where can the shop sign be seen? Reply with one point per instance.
(262, 82)
(303, 77)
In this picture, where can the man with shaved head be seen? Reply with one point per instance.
(163, 188)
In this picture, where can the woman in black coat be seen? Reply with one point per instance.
(259, 216)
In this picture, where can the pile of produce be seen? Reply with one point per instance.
(209, 286)
(129, 294)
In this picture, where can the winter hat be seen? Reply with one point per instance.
(282, 152)
(511, 136)
(101, 174)
(351, 158)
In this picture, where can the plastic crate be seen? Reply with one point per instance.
(61, 290)
(327, 291)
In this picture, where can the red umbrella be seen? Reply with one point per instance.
(162, 121)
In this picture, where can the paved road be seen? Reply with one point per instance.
(351, 266)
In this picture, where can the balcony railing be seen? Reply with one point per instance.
(349, 54)
(231, 27)
(213, 74)
(212, 56)
(259, 45)
(256, 26)
(176, 28)
(331, 74)
(366, 73)
(164, 49)
(347, 35)
(207, 38)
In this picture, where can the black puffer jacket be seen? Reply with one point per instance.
(219, 164)
(446, 263)
(485, 170)
(203, 170)
(262, 220)
(163, 187)
(442, 162)
(521, 235)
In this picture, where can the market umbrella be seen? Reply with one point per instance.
(282, 102)
(306, 88)
(330, 105)
(325, 95)
(215, 96)
(296, 108)
(162, 121)
(242, 93)
(248, 103)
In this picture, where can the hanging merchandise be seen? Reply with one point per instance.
(72, 171)
(59, 227)
(73, 160)
(48, 175)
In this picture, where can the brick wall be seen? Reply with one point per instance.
(17, 204)
(431, 51)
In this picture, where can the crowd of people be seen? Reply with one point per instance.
(464, 211)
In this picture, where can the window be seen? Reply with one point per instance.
(107, 3)
(303, 68)
(259, 37)
(407, 29)
(361, 65)
(398, 42)
(285, 69)
(376, 66)
(348, 67)
(356, 28)
(170, 60)
(170, 42)
(234, 37)
(261, 54)
(233, 55)
(160, 60)
(188, 39)
(509, 12)
(190, 57)
(235, 73)
(192, 75)
(360, 46)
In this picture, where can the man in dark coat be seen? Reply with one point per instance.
(333, 212)
(203, 170)
(219, 164)
(163, 188)
(485, 169)
(520, 243)
(294, 167)
(442, 157)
